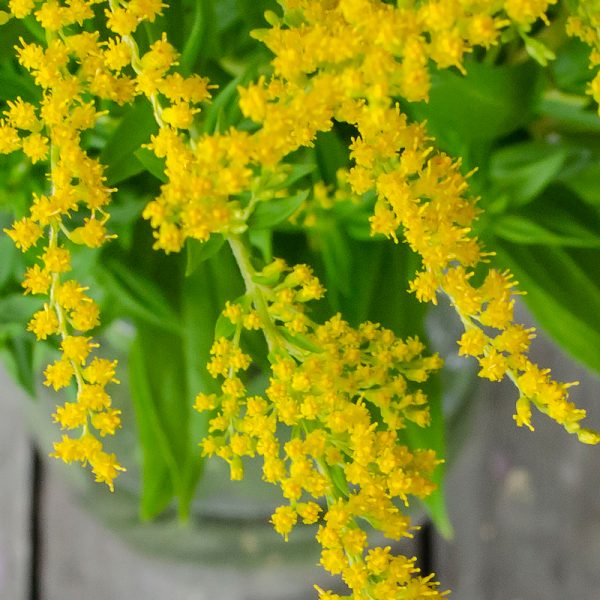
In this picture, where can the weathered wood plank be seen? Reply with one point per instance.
(83, 559)
(15, 482)
(525, 505)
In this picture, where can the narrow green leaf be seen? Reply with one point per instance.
(538, 50)
(271, 213)
(300, 341)
(154, 165)
(159, 468)
(9, 254)
(198, 252)
(191, 51)
(32, 25)
(16, 308)
(562, 293)
(368, 258)
(219, 105)
(336, 473)
(223, 327)
(118, 154)
(262, 240)
(332, 155)
(13, 86)
(523, 170)
(138, 296)
(335, 248)
(18, 357)
(521, 230)
(297, 172)
(585, 182)
(485, 104)
(569, 113)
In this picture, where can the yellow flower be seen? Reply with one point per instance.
(70, 416)
(21, 8)
(77, 348)
(59, 374)
(107, 422)
(36, 281)
(36, 147)
(284, 518)
(105, 467)
(93, 397)
(43, 323)
(24, 233)
(57, 260)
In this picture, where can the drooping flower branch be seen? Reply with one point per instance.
(341, 392)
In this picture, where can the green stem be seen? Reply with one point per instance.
(242, 257)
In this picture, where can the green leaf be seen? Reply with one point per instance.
(9, 254)
(300, 341)
(563, 293)
(368, 258)
(152, 163)
(571, 69)
(160, 471)
(569, 113)
(523, 170)
(521, 230)
(16, 308)
(173, 400)
(13, 85)
(198, 252)
(205, 292)
(223, 327)
(169, 369)
(262, 240)
(537, 50)
(336, 474)
(332, 155)
(18, 357)
(138, 296)
(215, 114)
(485, 104)
(297, 172)
(203, 13)
(585, 183)
(336, 250)
(118, 154)
(34, 28)
(433, 438)
(271, 213)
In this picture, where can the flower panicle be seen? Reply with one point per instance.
(70, 68)
(327, 382)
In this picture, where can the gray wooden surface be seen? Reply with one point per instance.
(15, 480)
(525, 507)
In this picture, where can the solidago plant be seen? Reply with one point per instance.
(288, 148)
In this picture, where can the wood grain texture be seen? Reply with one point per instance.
(525, 506)
(83, 559)
(15, 486)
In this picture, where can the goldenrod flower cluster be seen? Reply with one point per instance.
(370, 53)
(71, 68)
(583, 23)
(344, 393)
(174, 99)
